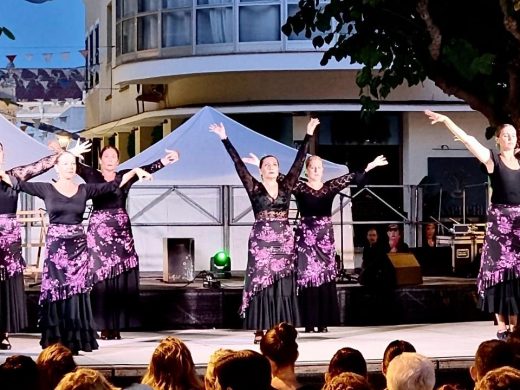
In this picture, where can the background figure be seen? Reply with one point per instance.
(210, 378)
(347, 381)
(111, 246)
(269, 295)
(18, 372)
(13, 310)
(243, 370)
(376, 269)
(410, 370)
(172, 367)
(280, 347)
(54, 362)
(85, 379)
(65, 312)
(503, 378)
(491, 354)
(429, 235)
(395, 239)
(498, 281)
(315, 246)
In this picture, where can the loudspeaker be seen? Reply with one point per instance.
(178, 259)
(407, 269)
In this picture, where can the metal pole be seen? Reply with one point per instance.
(464, 205)
(225, 217)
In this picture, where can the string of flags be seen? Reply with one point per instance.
(47, 57)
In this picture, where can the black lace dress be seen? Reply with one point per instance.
(316, 251)
(13, 308)
(115, 264)
(269, 295)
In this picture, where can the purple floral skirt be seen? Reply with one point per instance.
(270, 259)
(315, 251)
(110, 244)
(13, 306)
(66, 269)
(11, 260)
(500, 262)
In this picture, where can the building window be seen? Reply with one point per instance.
(147, 32)
(215, 25)
(128, 36)
(259, 23)
(176, 28)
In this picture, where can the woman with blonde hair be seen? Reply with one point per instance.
(54, 362)
(85, 379)
(210, 378)
(172, 367)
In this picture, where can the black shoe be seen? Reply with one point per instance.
(309, 329)
(322, 329)
(503, 335)
(115, 335)
(105, 334)
(4, 342)
(259, 334)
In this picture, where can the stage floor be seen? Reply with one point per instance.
(449, 345)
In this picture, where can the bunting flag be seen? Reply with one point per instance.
(47, 57)
(29, 56)
(65, 55)
(84, 53)
(11, 57)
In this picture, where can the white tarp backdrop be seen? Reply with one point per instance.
(196, 212)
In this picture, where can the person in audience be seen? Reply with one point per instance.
(280, 347)
(172, 367)
(85, 379)
(376, 269)
(209, 378)
(243, 370)
(498, 282)
(393, 349)
(502, 378)
(269, 295)
(347, 381)
(346, 360)
(451, 386)
(18, 372)
(395, 239)
(410, 370)
(54, 362)
(491, 354)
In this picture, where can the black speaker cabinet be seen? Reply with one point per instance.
(178, 259)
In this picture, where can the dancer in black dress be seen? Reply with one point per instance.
(13, 311)
(66, 315)
(315, 245)
(111, 246)
(269, 295)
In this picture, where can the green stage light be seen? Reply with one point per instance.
(220, 264)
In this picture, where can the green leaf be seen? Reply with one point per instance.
(318, 41)
(7, 33)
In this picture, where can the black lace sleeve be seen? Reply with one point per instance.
(342, 182)
(27, 172)
(246, 177)
(294, 173)
(150, 168)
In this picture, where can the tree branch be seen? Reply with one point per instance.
(509, 22)
(433, 30)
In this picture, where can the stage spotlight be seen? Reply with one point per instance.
(220, 265)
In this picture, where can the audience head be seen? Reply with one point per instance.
(171, 367)
(85, 379)
(410, 371)
(243, 370)
(395, 348)
(503, 378)
(53, 363)
(19, 372)
(346, 360)
(451, 386)
(347, 381)
(210, 377)
(279, 345)
(491, 354)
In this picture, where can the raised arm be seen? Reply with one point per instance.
(294, 173)
(246, 177)
(26, 172)
(471, 143)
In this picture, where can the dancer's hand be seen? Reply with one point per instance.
(55, 146)
(5, 178)
(80, 148)
(218, 129)
(435, 117)
(171, 157)
(252, 159)
(311, 126)
(143, 175)
(379, 161)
